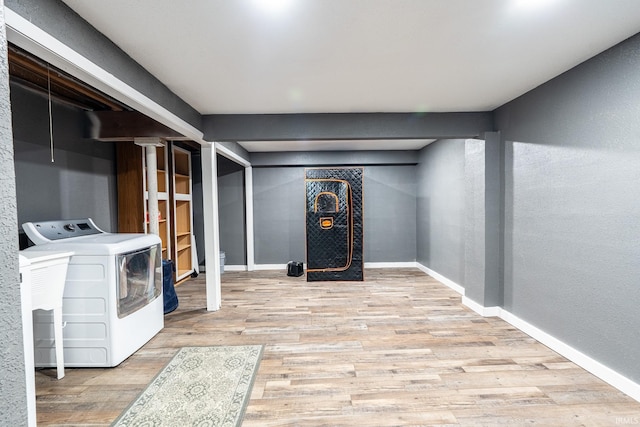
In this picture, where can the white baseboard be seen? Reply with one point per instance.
(408, 264)
(606, 374)
(235, 268)
(601, 371)
(270, 267)
(480, 309)
(439, 277)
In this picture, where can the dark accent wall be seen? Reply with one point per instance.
(58, 20)
(440, 208)
(81, 182)
(572, 207)
(389, 209)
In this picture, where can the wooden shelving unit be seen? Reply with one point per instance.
(174, 201)
(132, 193)
(182, 213)
(131, 200)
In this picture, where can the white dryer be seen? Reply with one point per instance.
(112, 302)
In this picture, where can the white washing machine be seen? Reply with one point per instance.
(112, 302)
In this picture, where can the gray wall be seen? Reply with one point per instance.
(475, 220)
(440, 208)
(231, 202)
(13, 401)
(278, 215)
(81, 182)
(389, 210)
(390, 213)
(483, 237)
(572, 197)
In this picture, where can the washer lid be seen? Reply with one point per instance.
(101, 244)
(47, 231)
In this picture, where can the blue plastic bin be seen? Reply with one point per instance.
(168, 288)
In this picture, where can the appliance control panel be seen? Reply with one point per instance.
(47, 231)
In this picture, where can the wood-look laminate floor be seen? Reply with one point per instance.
(398, 349)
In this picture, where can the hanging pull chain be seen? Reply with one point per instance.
(50, 117)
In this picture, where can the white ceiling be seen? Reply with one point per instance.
(323, 56)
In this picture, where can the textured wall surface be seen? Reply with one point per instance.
(440, 208)
(278, 214)
(483, 219)
(475, 220)
(231, 211)
(13, 401)
(389, 214)
(81, 182)
(572, 197)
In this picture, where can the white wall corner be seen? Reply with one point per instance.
(249, 222)
(407, 264)
(211, 227)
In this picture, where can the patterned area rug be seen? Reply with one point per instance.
(200, 386)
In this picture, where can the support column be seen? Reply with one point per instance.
(248, 205)
(151, 162)
(482, 281)
(211, 226)
(17, 387)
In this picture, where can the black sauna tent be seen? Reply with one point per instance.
(334, 224)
